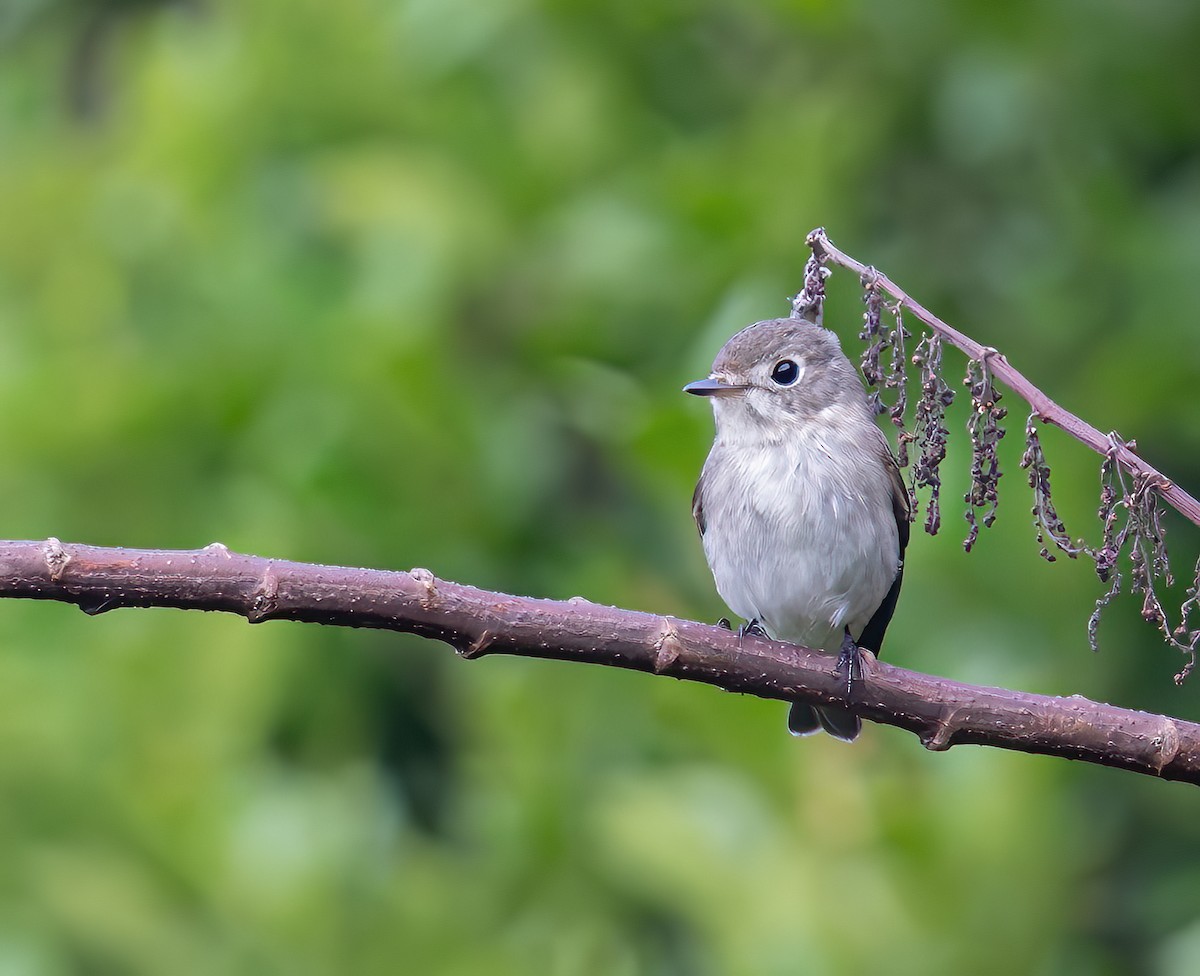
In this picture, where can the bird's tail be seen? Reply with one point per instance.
(839, 722)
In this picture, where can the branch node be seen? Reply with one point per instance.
(428, 581)
(266, 596)
(1168, 745)
(218, 547)
(667, 647)
(990, 352)
(56, 557)
(941, 738)
(1116, 445)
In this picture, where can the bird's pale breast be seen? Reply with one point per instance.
(800, 535)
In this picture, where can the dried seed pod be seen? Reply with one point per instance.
(986, 434)
(896, 379)
(1114, 502)
(1148, 551)
(884, 364)
(1046, 520)
(873, 335)
(1093, 623)
(1132, 516)
(929, 428)
(809, 304)
(1187, 635)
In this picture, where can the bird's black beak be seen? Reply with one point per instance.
(712, 388)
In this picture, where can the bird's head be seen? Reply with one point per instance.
(777, 375)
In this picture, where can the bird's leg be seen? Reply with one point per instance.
(850, 661)
(752, 628)
(724, 622)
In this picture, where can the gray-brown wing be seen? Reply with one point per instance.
(698, 505)
(872, 636)
(901, 506)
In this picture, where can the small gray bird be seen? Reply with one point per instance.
(800, 505)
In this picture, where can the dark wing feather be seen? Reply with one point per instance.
(698, 505)
(872, 636)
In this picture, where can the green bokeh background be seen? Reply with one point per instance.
(416, 283)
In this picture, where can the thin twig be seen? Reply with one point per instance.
(1046, 409)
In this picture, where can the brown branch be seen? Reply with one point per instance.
(477, 622)
(1045, 408)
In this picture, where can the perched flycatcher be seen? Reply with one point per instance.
(800, 505)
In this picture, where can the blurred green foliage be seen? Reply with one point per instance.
(417, 283)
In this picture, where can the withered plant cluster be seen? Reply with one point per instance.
(1131, 496)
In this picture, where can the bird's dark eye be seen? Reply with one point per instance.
(786, 372)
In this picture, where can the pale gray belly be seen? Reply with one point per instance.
(806, 566)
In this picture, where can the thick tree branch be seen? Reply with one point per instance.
(1045, 408)
(477, 622)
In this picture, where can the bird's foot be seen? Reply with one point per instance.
(752, 628)
(850, 663)
(724, 622)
